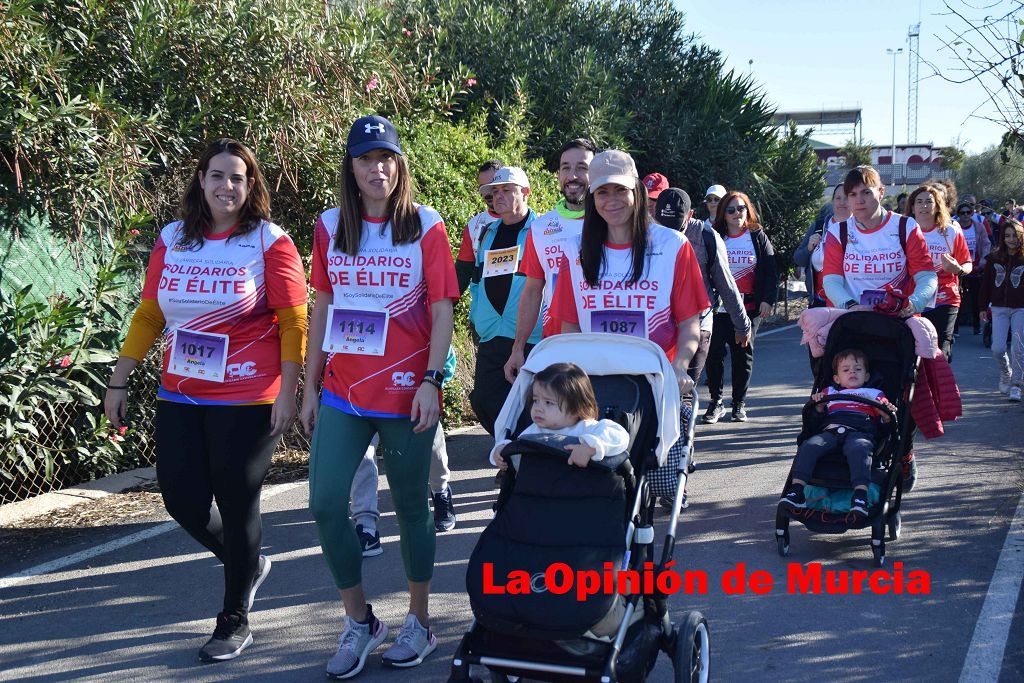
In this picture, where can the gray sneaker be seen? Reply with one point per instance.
(355, 644)
(413, 644)
(714, 412)
(261, 575)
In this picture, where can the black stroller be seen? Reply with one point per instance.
(597, 519)
(889, 346)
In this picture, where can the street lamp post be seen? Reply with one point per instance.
(892, 160)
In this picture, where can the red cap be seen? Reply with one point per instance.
(655, 184)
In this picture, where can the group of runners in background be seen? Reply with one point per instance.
(617, 253)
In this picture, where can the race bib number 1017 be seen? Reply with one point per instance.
(202, 355)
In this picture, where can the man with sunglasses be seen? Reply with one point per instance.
(471, 235)
(544, 248)
(979, 246)
(712, 196)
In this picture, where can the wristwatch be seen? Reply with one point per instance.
(849, 304)
(435, 377)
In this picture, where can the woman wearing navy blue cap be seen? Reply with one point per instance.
(379, 334)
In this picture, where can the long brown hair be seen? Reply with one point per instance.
(195, 212)
(571, 386)
(595, 234)
(1000, 253)
(941, 213)
(405, 220)
(751, 224)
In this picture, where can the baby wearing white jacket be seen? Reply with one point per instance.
(563, 403)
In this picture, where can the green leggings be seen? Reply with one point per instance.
(339, 442)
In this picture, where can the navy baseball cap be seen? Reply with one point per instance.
(370, 133)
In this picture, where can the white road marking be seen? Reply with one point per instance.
(984, 658)
(116, 544)
(776, 330)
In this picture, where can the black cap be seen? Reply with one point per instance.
(672, 207)
(370, 133)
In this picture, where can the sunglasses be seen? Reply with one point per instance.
(711, 199)
(735, 209)
(964, 213)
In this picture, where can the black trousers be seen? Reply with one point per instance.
(970, 288)
(700, 358)
(944, 320)
(490, 388)
(723, 337)
(856, 446)
(211, 462)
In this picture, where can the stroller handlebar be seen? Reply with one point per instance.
(886, 407)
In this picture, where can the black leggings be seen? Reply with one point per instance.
(723, 337)
(217, 453)
(944, 320)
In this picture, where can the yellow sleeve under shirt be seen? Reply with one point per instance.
(148, 323)
(292, 330)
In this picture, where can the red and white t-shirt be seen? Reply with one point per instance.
(471, 235)
(542, 254)
(229, 286)
(853, 406)
(949, 241)
(742, 263)
(669, 290)
(402, 280)
(875, 258)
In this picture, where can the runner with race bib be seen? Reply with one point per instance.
(626, 275)
(380, 333)
(227, 289)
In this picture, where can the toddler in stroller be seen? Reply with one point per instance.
(562, 402)
(885, 345)
(850, 427)
(549, 579)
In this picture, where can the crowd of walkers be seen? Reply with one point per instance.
(227, 289)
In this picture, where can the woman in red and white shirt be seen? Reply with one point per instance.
(379, 336)
(627, 275)
(950, 256)
(227, 289)
(752, 264)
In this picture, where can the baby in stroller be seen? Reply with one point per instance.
(849, 426)
(562, 402)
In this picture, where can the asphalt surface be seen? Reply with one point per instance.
(142, 611)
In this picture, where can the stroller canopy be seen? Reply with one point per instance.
(602, 354)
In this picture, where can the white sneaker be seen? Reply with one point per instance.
(1015, 394)
(413, 644)
(355, 644)
(1004, 383)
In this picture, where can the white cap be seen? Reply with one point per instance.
(613, 166)
(509, 175)
(715, 190)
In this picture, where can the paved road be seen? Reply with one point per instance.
(143, 610)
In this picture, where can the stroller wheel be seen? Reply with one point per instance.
(692, 657)
(783, 543)
(895, 525)
(879, 552)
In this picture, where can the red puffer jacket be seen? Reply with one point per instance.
(936, 397)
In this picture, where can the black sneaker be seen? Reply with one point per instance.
(859, 503)
(715, 410)
(739, 412)
(444, 510)
(229, 639)
(261, 575)
(794, 497)
(369, 541)
(909, 472)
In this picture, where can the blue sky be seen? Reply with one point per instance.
(809, 54)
